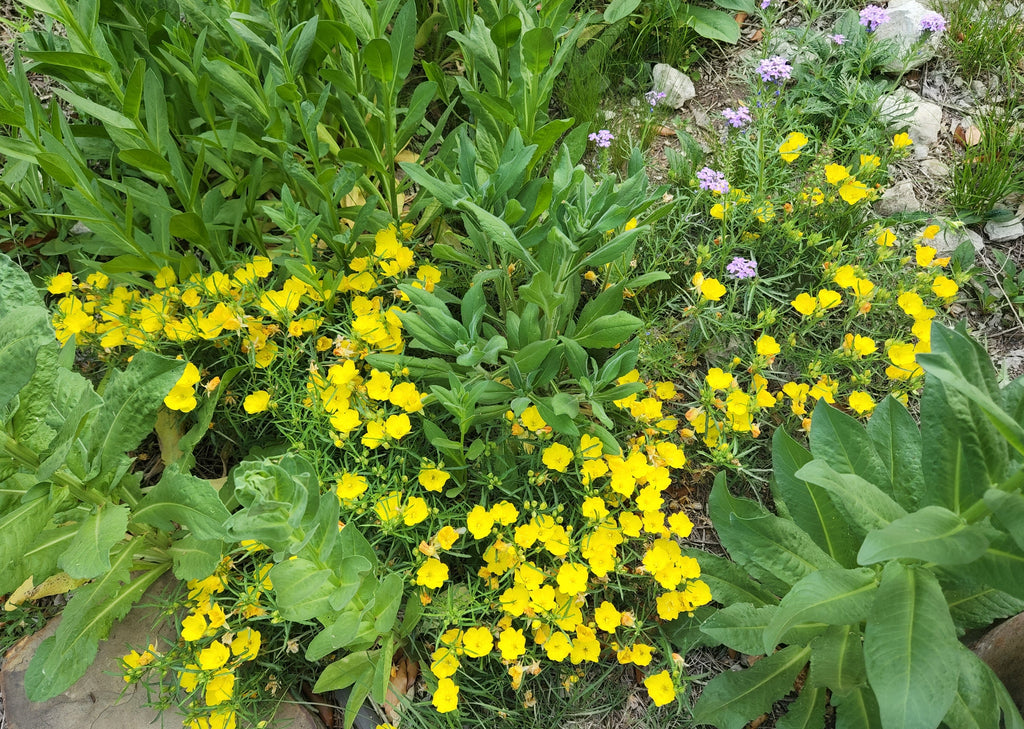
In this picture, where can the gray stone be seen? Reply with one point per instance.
(904, 28)
(949, 239)
(676, 85)
(934, 168)
(1003, 232)
(899, 198)
(101, 698)
(903, 107)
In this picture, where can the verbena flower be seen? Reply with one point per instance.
(740, 267)
(654, 97)
(933, 21)
(602, 138)
(775, 69)
(873, 16)
(738, 117)
(765, 4)
(712, 180)
(837, 38)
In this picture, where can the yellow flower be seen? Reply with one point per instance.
(788, 150)
(351, 486)
(829, 299)
(433, 479)
(901, 140)
(446, 536)
(446, 697)
(182, 396)
(805, 304)
(924, 255)
(869, 162)
(479, 521)
(853, 191)
(193, 627)
(930, 232)
(886, 238)
(717, 211)
(711, 289)
(861, 402)
(557, 457)
(389, 508)
(246, 644)
(62, 283)
(661, 689)
(572, 578)
(477, 642)
(607, 617)
(415, 511)
(836, 173)
(397, 426)
(256, 402)
(558, 647)
(432, 573)
(212, 658)
(767, 346)
(944, 288)
(717, 379)
(511, 643)
(532, 420)
(220, 688)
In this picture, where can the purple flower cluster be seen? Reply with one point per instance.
(738, 117)
(776, 69)
(742, 268)
(838, 39)
(602, 138)
(765, 4)
(873, 16)
(712, 180)
(933, 21)
(654, 97)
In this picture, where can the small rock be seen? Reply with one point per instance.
(979, 89)
(949, 239)
(934, 168)
(676, 85)
(904, 27)
(925, 118)
(80, 229)
(1002, 232)
(899, 198)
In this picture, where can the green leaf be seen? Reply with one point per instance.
(808, 505)
(975, 703)
(85, 622)
(130, 403)
(843, 443)
(1007, 512)
(88, 555)
(336, 635)
(377, 56)
(343, 673)
(302, 589)
(711, 24)
(619, 9)
(932, 534)
(18, 529)
(897, 440)
(862, 503)
(832, 596)
(837, 660)
(507, 30)
(498, 231)
(81, 61)
(773, 549)
(184, 499)
(194, 558)
(22, 333)
(740, 626)
(16, 288)
(101, 113)
(538, 46)
(1002, 567)
(728, 581)
(978, 606)
(732, 698)
(857, 710)
(147, 161)
(608, 331)
(189, 227)
(807, 712)
(908, 643)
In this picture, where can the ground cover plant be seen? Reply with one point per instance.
(457, 371)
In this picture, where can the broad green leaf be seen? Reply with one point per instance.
(908, 641)
(897, 441)
(1008, 512)
(932, 534)
(130, 403)
(807, 712)
(709, 23)
(538, 46)
(16, 288)
(336, 635)
(88, 554)
(343, 673)
(189, 227)
(857, 710)
(619, 9)
(831, 596)
(740, 626)
(40, 559)
(186, 500)
(194, 558)
(843, 443)
(499, 233)
(808, 505)
(82, 61)
(862, 503)
(147, 161)
(608, 331)
(377, 56)
(734, 698)
(1002, 567)
(975, 703)
(507, 30)
(837, 660)
(387, 600)
(22, 333)
(18, 529)
(101, 113)
(976, 605)
(85, 622)
(302, 589)
(729, 582)
(773, 549)
(32, 423)
(348, 577)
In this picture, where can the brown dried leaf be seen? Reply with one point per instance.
(967, 136)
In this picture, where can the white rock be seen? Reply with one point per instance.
(80, 229)
(1002, 232)
(904, 27)
(899, 198)
(676, 85)
(934, 168)
(925, 118)
(949, 239)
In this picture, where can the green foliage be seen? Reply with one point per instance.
(985, 173)
(70, 506)
(879, 627)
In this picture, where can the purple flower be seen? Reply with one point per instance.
(712, 180)
(653, 97)
(602, 138)
(776, 69)
(742, 268)
(933, 21)
(838, 39)
(765, 4)
(737, 118)
(873, 16)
